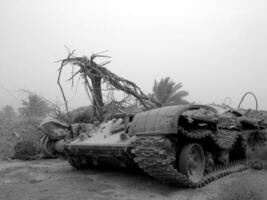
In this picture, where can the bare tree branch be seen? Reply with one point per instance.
(98, 74)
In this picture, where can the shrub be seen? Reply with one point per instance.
(15, 131)
(27, 150)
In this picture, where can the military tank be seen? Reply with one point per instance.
(187, 146)
(183, 145)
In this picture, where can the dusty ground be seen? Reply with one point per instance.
(56, 180)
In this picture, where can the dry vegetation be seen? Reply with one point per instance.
(19, 134)
(18, 130)
(259, 151)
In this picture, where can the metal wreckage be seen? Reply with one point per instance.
(182, 145)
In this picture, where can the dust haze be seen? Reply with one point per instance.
(215, 48)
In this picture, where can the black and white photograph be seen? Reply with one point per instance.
(133, 100)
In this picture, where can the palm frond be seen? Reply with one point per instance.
(166, 92)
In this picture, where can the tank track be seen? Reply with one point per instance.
(225, 139)
(157, 159)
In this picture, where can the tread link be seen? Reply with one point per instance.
(225, 139)
(158, 160)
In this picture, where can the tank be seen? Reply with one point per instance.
(182, 145)
(187, 146)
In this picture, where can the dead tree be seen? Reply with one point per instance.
(88, 69)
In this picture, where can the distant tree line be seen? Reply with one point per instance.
(165, 92)
(33, 106)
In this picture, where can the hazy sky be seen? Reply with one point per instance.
(216, 48)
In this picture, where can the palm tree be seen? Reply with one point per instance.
(167, 92)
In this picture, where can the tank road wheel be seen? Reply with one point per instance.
(77, 161)
(192, 162)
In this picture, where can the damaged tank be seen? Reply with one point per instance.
(181, 145)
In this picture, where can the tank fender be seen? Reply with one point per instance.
(162, 120)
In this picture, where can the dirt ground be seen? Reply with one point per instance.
(56, 180)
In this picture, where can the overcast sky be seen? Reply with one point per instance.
(216, 48)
